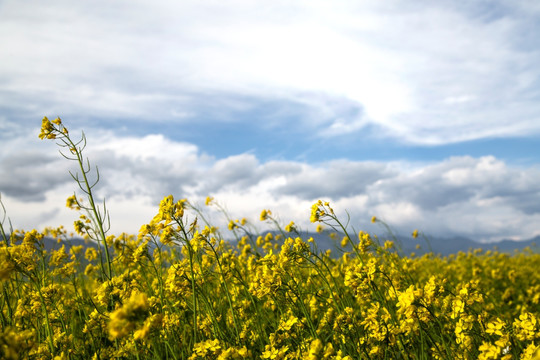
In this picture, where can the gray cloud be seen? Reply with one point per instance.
(28, 175)
(238, 171)
(461, 180)
(336, 179)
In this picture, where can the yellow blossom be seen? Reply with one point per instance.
(125, 319)
(290, 227)
(265, 214)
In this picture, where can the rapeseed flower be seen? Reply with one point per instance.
(290, 227)
(126, 319)
(265, 214)
(525, 327)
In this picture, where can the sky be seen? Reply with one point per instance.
(425, 114)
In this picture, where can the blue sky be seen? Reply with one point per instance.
(426, 115)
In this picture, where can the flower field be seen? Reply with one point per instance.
(178, 290)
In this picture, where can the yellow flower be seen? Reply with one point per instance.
(58, 256)
(495, 327)
(179, 208)
(167, 235)
(374, 219)
(289, 323)
(415, 233)
(532, 352)
(273, 353)
(166, 207)
(71, 202)
(91, 254)
(488, 351)
(315, 349)
(290, 227)
(525, 326)
(125, 319)
(205, 348)
(315, 212)
(264, 214)
(80, 227)
(14, 343)
(268, 237)
(152, 322)
(47, 129)
(375, 350)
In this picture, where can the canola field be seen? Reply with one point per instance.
(177, 290)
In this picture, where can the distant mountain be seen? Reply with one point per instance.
(453, 245)
(438, 245)
(51, 244)
(419, 246)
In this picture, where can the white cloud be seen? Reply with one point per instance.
(483, 198)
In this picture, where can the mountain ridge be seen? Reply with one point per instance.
(407, 245)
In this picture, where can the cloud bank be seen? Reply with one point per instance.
(483, 197)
